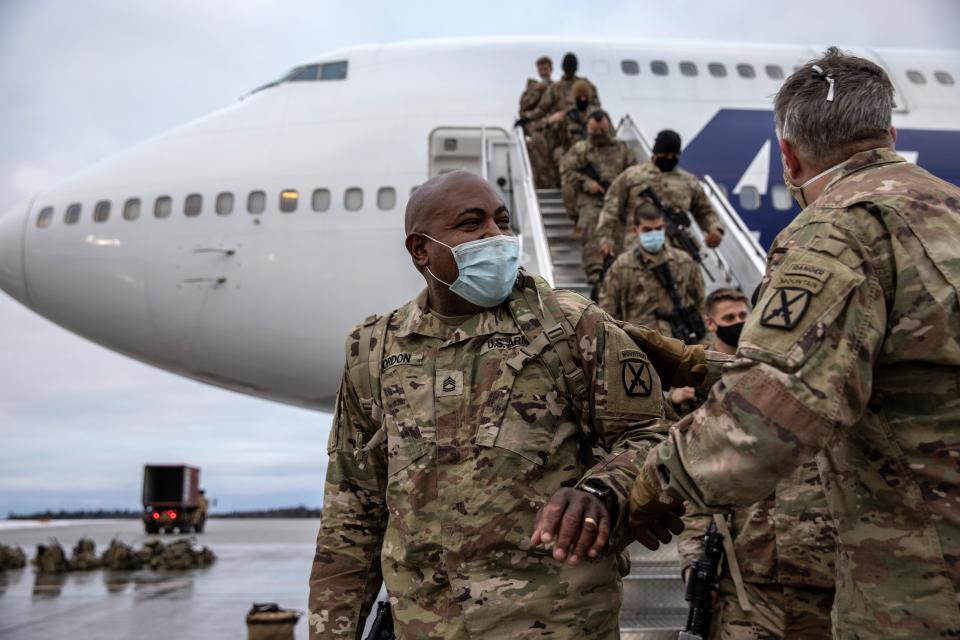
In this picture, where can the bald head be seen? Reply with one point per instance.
(445, 196)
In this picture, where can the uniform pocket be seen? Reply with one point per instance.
(404, 446)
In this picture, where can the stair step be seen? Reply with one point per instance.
(656, 592)
(568, 262)
(541, 193)
(648, 624)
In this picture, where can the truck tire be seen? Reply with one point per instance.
(186, 527)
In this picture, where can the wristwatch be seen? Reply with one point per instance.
(605, 494)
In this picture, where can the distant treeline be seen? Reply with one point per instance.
(121, 514)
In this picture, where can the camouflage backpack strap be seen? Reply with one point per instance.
(548, 326)
(366, 377)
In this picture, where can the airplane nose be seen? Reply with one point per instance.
(12, 276)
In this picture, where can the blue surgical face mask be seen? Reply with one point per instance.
(652, 241)
(488, 268)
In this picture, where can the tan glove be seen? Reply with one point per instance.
(677, 364)
(654, 515)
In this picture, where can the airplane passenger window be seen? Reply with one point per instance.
(746, 71)
(943, 78)
(781, 197)
(162, 207)
(749, 198)
(717, 69)
(256, 202)
(192, 205)
(630, 67)
(659, 67)
(131, 209)
(774, 72)
(300, 74)
(72, 216)
(288, 200)
(45, 217)
(101, 211)
(320, 201)
(916, 77)
(386, 198)
(224, 204)
(353, 198)
(334, 70)
(689, 69)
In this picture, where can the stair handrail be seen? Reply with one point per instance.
(736, 225)
(533, 218)
(628, 129)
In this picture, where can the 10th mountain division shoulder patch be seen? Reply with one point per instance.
(636, 378)
(785, 308)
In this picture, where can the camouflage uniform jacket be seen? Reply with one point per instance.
(678, 189)
(559, 97)
(608, 159)
(531, 95)
(852, 354)
(478, 438)
(631, 291)
(787, 538)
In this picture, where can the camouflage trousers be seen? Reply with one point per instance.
(779, 612)
(588, 214)
(545, 172)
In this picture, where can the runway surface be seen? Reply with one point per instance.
(257, 561)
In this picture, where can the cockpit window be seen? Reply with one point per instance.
(309, 72)
(334, 70)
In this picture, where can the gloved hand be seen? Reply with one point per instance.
(654, 515)
(677, 364)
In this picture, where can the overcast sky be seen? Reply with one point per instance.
(82, 80)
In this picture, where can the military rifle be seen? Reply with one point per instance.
(678, 223)
(382, 627)
(591, 172)
(595, 289)
(702, 583)
(685, 321)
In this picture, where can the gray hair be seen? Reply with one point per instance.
(830, 128)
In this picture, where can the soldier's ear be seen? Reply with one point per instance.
(417, 248)
(790, 160)
(893, 134)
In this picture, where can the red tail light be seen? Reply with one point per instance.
(172, 514)
(156, 515)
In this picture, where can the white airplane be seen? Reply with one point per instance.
(238, 249)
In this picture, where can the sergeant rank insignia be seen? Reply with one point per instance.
(785, 308)
(636, 378)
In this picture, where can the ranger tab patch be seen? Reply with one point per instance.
(785, 308)
(636, 378)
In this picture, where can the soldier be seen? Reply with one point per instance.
(489, 408)
(544, 169)
(779, 553)
(587, 170)
(654, 285)
(200, 515)
(674, 186)
(559, 96)
(852, 354)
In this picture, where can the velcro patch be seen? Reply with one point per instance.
(636, 378)
(785, 308)
(448, 383)
(806, 283)
(415, 359)
(632, 354)
(808, 269)
(504, 342)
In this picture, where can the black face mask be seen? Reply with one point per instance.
(666, 164)
(583, 103)
(730, 334)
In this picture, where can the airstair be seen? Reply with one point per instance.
(653, 594)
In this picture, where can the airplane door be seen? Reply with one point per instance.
(460, 148)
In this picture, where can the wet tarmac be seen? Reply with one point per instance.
(257, 561)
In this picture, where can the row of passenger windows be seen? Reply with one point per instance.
(744, 70)
(224, 204)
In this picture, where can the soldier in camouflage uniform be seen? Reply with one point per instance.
(559, 97)
(675, 187)
(852, 355)
(464, 424)
(541, 161)
(779, 553)
(631, 290)
(586, 171)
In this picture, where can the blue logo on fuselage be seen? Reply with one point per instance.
(730, 141)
